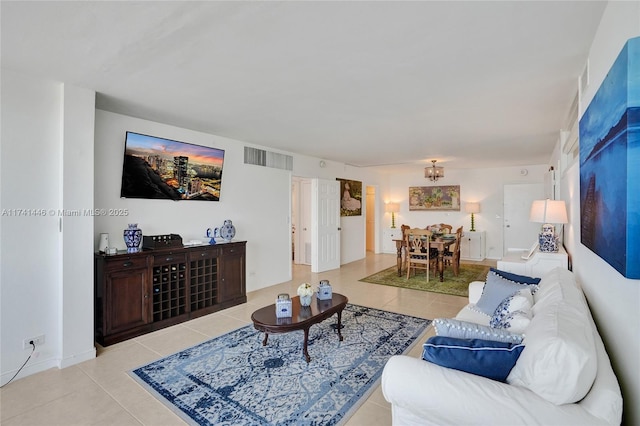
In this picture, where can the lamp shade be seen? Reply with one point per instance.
(548, 211)
(392, 207)
(472, 208)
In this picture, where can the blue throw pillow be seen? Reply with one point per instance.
(496, 289)
(487, 358)
(522, 279)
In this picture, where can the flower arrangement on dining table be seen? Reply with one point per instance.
(305, 291)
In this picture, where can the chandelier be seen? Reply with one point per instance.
(433, 173)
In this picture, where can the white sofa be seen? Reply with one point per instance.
(562, 377)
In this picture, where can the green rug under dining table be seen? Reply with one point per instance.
(457, 286)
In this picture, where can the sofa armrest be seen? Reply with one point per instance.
(475, 291)
(439, 395)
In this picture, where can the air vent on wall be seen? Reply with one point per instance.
(260, 157)
(584, 77)
(569, 141)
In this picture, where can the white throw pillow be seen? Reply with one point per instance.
(514, 312)
(559, 361)
(514, 322)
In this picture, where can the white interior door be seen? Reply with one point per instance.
(303, 227)
(325, 219)
(519, 233)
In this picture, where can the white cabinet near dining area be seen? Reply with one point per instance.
(388, 237)
(472, 245)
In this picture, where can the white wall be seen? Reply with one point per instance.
(614, 300)
(41, 294)
(485, 186)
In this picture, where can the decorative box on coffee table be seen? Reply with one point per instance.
(283, 306)
(324, 290)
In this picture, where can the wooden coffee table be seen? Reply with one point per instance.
(302, 319)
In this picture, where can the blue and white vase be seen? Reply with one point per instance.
(132, 238)
(227, 230)
(548, 242)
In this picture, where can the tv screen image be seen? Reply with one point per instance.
(161, 168)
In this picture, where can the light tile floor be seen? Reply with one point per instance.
(100, 392)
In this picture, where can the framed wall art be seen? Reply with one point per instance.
(434, 198)
(609, 172)
(351, 201)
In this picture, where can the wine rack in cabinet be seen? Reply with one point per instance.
(203, 281)
(136, 293)
(169, 286)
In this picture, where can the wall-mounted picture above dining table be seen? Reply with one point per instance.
(434, 197)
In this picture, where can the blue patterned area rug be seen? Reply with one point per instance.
(234, 380)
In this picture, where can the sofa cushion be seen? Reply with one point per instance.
(521, 279)
(559, 361)
(470, 314)
(496, 289)
(485, 358)
(557, 285)
(447, 327)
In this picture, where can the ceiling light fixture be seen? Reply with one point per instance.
(433, 173)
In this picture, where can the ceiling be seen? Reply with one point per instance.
(471, 84)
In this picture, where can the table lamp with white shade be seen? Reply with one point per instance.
(392, 208)
(472, 208)
(548, 212)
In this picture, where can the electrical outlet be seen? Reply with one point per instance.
(38, 340)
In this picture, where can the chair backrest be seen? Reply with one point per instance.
(417, 240)
(444, 226)
(456, 245)
(404, 229)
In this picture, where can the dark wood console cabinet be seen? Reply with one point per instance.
(136, 293)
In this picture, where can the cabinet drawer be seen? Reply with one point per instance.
(210, 251)
(163, 258)
(229, 250)
(125, 262)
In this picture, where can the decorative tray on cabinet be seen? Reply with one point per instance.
(152, 242)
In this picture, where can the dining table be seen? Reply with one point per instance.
(439, 243)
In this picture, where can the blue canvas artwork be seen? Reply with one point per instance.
(610, 166)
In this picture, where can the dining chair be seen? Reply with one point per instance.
(418, 254)
(452, 256)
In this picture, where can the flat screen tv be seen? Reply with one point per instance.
(166, 169)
